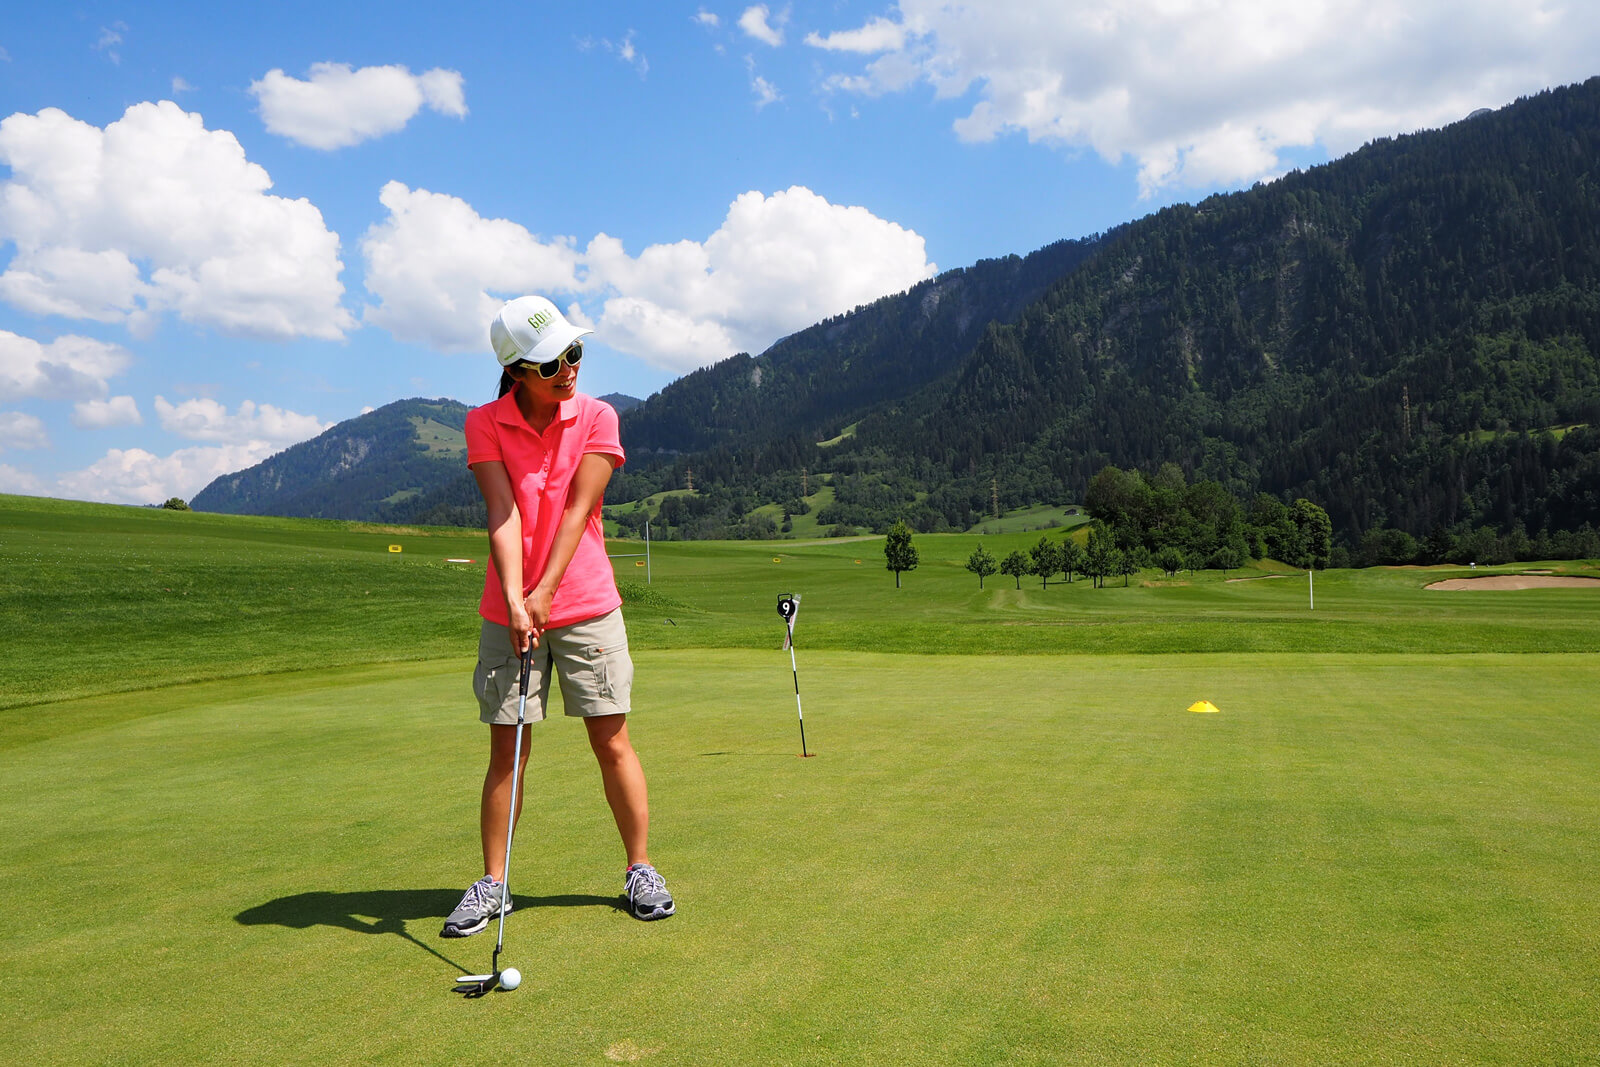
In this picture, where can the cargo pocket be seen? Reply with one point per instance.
(611, 674)
(492, 681)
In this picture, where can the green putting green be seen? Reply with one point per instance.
(1018, 859)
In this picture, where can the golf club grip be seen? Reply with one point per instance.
(527, 663)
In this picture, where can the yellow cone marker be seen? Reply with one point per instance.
(1204, 706)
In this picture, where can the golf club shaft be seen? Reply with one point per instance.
(511, 815)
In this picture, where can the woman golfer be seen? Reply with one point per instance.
(542, 455)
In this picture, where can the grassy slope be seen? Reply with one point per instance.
(96, 597)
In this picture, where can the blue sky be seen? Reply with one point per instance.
(223, 231)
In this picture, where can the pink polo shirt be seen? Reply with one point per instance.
(541, 467)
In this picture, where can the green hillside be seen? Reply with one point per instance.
(363, 468)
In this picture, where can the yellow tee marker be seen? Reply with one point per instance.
(394, 548)
(1204, 706)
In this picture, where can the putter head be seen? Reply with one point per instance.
(472, 986)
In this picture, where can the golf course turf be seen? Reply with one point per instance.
(1385, 849)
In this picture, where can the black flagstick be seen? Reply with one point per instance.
(789, 607)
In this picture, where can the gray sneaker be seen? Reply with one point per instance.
(647, 893)
(476, 908)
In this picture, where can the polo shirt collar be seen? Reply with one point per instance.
(505, 410)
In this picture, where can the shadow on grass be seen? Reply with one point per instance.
(385, 911)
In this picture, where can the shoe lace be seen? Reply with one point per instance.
(483, 894)
(645, 877)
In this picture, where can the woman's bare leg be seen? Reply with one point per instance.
(497, 796)
(623, 777)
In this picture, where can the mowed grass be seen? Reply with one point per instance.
(136, 598)
(1373, 859)
(239, 767)
(95, 597)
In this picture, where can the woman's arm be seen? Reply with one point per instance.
(588, 486)
(505, 546)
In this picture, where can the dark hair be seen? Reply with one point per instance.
(507, 381)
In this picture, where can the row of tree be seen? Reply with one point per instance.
(1096, 560)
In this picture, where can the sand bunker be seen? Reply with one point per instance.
(1518, 581)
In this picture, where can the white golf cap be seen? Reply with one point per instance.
(531, 328)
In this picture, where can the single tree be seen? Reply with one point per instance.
(898, 551)
(1016, 564)
(1170, 560)
(1313, 535)
(982, 563)
(1313, 542)
(1126, 563)
(1044, 560)
(1071, 558)
(1097, 554)
(1227, 558)
(176, 503)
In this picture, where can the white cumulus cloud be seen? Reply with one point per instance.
(157, 214)
(106, 414)
(707, 18)
(440, 270)
(16, 480)
(134, 476)
(203, 419)
(1206, 92)
(20, 430)
(776, 264)
(338, 106)
(756, 22)
(66, 368)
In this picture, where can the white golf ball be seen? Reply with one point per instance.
(510, 978)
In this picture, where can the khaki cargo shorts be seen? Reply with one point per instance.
(589, 658)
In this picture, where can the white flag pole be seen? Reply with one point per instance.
(789, 607)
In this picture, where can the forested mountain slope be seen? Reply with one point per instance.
(1407, 336)
(815, 382)
(352, 470)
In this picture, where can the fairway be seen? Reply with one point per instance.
(1034, 859)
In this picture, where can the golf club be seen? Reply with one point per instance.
(479, 984)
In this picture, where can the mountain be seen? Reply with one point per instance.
(359, 469)
(622, 401)
(1409, 336)
(818, 380)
